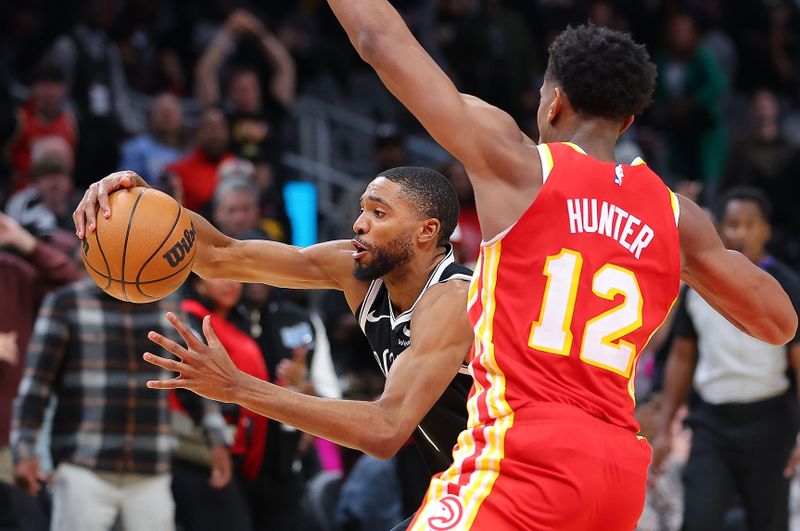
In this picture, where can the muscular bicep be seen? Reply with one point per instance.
(441, 340)
(746, 295)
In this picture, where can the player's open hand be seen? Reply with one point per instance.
(204, 369)
(85, 214)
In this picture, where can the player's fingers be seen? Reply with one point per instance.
(90, 207)
(191, 340)
(102, 198)
(208, 331)
(168, 364)
(175, 383)
(169, 345)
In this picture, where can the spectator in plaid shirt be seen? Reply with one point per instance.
(112, 438)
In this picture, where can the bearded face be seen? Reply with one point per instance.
(383, 259)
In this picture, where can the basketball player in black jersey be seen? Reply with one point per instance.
(398, 277)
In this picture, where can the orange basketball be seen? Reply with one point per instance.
(145, 250)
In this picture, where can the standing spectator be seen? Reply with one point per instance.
(45, 207)
(149, 153)
(194, 178)
(98, 88)
(766, 159)
(744, 418)
(689, 101)
(29, 268)
(254, 114)
(111, 437)
(42, 115)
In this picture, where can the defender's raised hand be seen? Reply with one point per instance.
(84, 216)
(204, 369)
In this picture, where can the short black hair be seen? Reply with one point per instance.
(603, 72)
(745, 193)
(431, 193)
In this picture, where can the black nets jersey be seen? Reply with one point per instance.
(389, 335)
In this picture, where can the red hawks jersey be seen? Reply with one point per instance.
(563, 302)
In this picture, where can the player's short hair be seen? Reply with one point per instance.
(431, 193)
(603, 72)
(745, 193)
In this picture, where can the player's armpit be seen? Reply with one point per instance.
(745, 294)
(442, 338)
(326, 265)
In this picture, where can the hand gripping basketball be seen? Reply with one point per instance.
(84, 216)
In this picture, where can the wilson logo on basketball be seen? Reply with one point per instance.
(450, 512)
(181, 249)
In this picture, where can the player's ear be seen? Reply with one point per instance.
(429, 230)
(559, 100)
(626, 124)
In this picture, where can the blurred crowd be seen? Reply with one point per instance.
(197, 98)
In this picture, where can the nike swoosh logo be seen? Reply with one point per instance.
(373, 319)
(407, 331)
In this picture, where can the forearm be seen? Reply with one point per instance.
(677, 382)
(766, 312)
(207, 91)
(340, 421)
(284, 75)
(367, 24)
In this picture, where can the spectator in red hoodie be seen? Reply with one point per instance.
(201, 506)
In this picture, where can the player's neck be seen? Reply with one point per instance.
(595, 137)
(407, 282)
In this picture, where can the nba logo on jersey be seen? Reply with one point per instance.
(618, 175)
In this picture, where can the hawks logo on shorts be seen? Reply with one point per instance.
(447, 513)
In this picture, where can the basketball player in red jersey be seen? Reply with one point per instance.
(580, 264)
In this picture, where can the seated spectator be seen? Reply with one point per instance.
(29, 268)
(45, 207)
(43, 115)
(237, 211)
(297, 355)
(194, 178)
(255, 114)
(766, 159)
(199, 505)
(149, 153)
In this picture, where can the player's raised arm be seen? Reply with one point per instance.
(416, 380)
(745, 294)
(484, 138)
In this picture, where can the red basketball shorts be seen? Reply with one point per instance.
(547, 467)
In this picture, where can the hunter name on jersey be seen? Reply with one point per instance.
(606, 219)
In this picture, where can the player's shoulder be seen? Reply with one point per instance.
(453, 289)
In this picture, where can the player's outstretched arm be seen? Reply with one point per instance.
(745, 294)
(485, 139)
(326, 265)
(416, 380)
